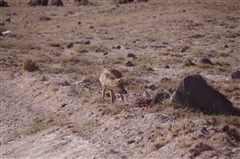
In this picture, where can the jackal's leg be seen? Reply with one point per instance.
(122, 97)
(112, 95)
(103, 93)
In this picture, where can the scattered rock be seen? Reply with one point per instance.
(194, 90)
(184, 49)
(69, 45)
(8, 19)
(91, 27)
(38, 3)
(63, 105)
(66, 83)
(56, 3)
(152, 87)
(235, 75)
(159, 97)
(146, 94)
(166, 66)
(87, 42)
(204, 130)
(123, 1)
(226, 46)
(105, 53)
(163, 80)
(188, 62)
(3, 4)
(140, 0)
(128, 64)
(196, 36)
(44, 18)
(70, 13)
(206, 61)
(117, 47)
(131, 55)
(81, 2)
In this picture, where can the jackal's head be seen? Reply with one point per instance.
(120, 85)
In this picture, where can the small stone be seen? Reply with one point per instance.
(131, 55)
(117, 47)
(235, 75)
(206, 61)
(204, 130)
(226, 46)
(87, 42)
(8, 19)
(188, 62)
(128, 64)
(230, 50)
(69, 44)
(63, 105)
(66, 83)
(146, 94)
(152, 87)
(163, 80)
(91, 27)
(166, 66)
(105, 53)
(184, 49)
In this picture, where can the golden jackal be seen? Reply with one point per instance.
(111, 79)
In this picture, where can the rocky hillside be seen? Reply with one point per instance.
(51, 59)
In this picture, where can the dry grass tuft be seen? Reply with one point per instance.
(29, 65)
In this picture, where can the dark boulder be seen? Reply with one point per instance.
(56, 3)
(38, 2)
(123, 1)
(3, 3)
(140, 0)
(194, 90)
(81, 2)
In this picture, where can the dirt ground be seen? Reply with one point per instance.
(56, 111)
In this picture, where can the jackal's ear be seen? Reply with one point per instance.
(119, 80)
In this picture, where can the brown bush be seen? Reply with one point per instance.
(29, 65)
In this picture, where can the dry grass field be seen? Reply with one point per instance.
(51, 61)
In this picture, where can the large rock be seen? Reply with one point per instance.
(194, 90)
(56, 3)
(123, 1)
(81, 2)
(38, 2)
(3, 3)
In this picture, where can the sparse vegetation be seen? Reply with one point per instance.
(29, 65)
